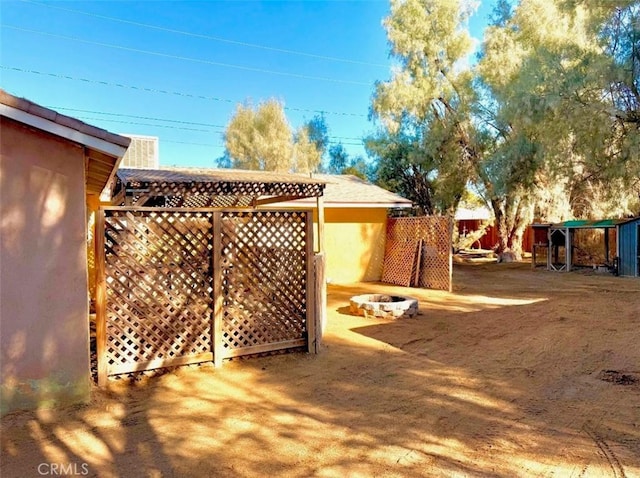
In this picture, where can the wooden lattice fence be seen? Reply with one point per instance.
(264, 273)
(418, 252)
(91, 256)
(182, 286)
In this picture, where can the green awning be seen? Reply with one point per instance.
(588, 224)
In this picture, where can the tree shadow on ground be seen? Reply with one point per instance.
(481, 384)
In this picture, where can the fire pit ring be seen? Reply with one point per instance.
(383, 306)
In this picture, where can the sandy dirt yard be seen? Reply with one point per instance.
(515, 373)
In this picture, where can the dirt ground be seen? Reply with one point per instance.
(515, 373)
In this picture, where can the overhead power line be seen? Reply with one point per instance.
(166, 92)
(93, 118)
(186, 58)
(208, 37)
(151, 118)
(210, 125)
(221, 145)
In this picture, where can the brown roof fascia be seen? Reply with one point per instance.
(34, 109)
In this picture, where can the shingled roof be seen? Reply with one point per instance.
(345, 190)
(103, 149)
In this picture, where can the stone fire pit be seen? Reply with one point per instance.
(383, 306)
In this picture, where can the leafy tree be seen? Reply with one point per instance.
(563, 102)
(261, 139)
(427, 102)
(553, 105)
(338, 159)
(359, 167)
(224, 161)
(403, 167)
(318, 132)
(306, 155)
(506, 181)
(341, 163)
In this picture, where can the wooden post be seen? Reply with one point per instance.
(310, 285)
(320, 207)
(606, 246)
(101, 299)
(552, 250)
(320, 308)
(218, 299)
(568, 251)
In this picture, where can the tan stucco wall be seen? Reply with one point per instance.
(44, 334)
(354, 243)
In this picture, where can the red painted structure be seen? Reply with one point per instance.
(490, 238)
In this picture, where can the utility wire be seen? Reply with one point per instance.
(186, 58)
(151, 118)
(209, 37)
(93, 118)
(210, 125)
(166, 92)
(221, 145)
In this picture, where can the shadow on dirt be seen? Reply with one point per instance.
(483, 383)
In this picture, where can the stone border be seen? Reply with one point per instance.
(383, 306)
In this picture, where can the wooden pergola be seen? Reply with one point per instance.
(216, 188)
(210, 187)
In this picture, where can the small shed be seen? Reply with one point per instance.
(628, 250)
(52, 168)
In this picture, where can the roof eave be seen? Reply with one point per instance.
(57, 129)
(95, 147)
(346, 205)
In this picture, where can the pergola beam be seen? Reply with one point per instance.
(261, 202)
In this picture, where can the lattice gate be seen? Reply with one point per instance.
(264, 286)
(182, 286)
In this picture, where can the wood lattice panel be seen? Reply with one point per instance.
(91, 256)
(183, 286)
(399, 261)
(264, 280)
(158, 288)
(435, 257)
(418, 252)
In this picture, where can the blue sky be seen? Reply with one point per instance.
(176, 70)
